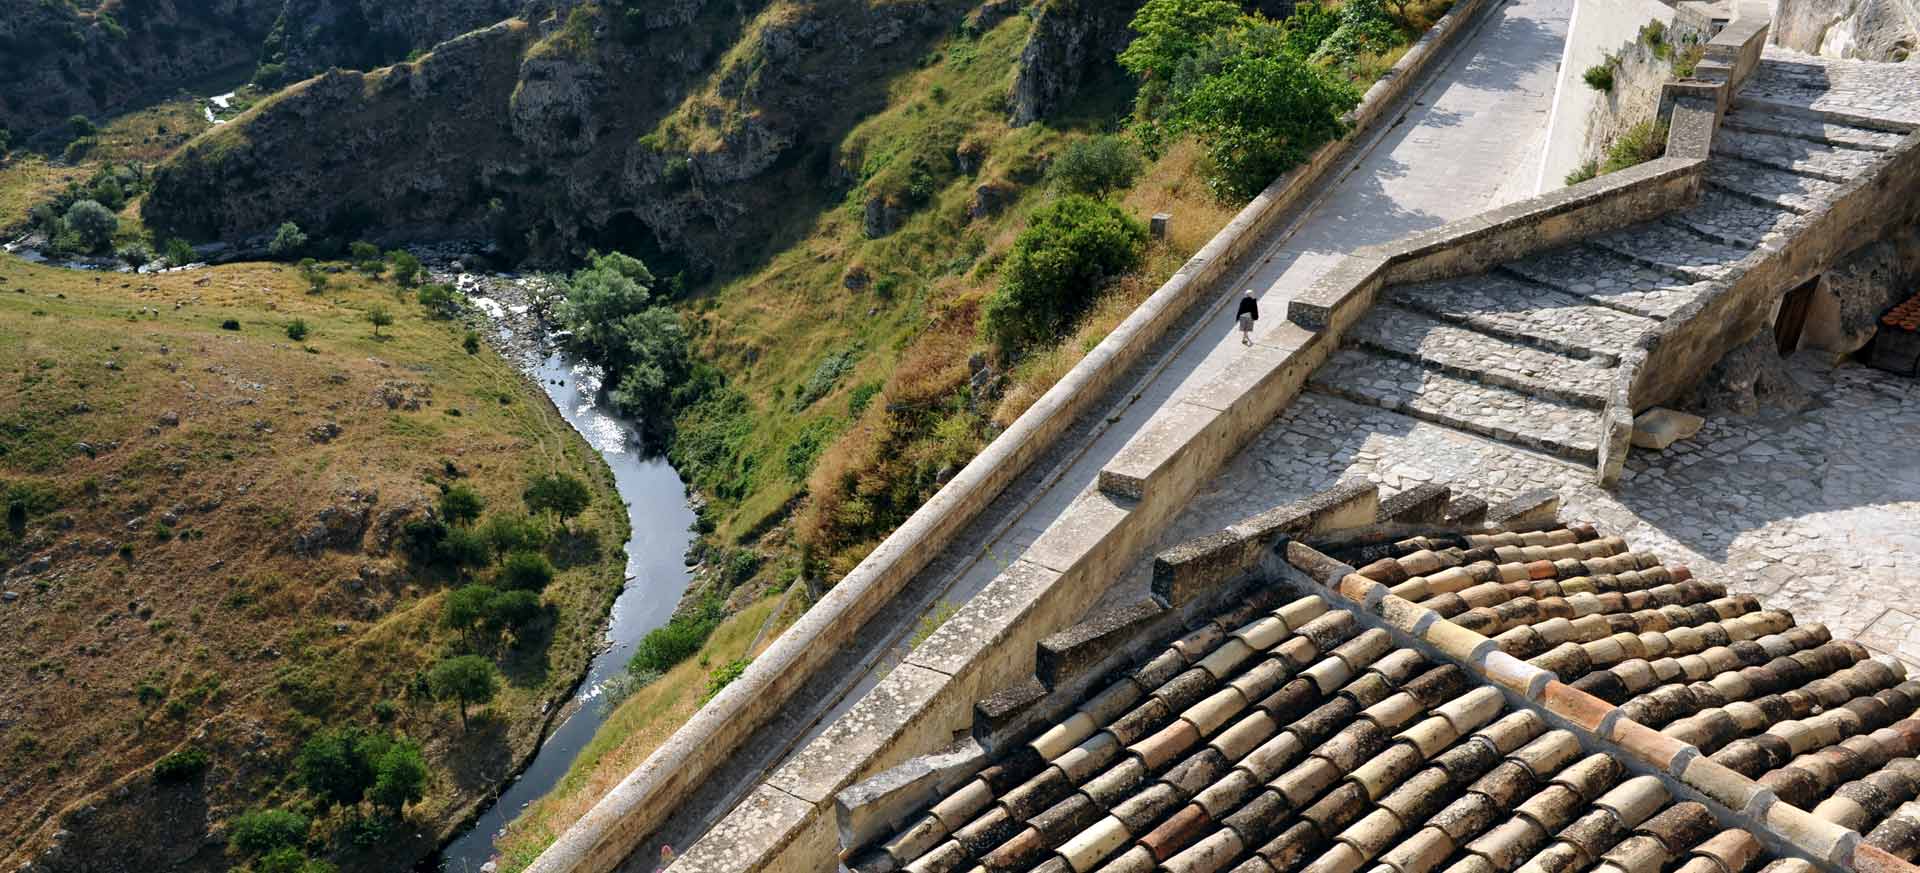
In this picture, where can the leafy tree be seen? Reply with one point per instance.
(81, 126)
(291, 860)
(91, 225)
(316, 278)
(1263, 113)
(1365, 26)
(400, 777)
(366, 257)
(465, 680)
(178, 252)
(467, 607)
(289, 240)
(1170, 30)
(512, 610)
(338, 765)
(464, 550)
(185, 765)
(379, 317)
(1057, 267)
(440, 301)
(471, 343)
(265, 830)
(558, 493)
(510, 532)
(460, 505)
(406, 268)
(527, 571)
(1096, 165)
(613, 320)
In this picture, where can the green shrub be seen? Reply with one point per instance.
(1261, 114)
(724, 676)
(460, 505)
(366, 257)
(178, 252)
(400, 777)
(1599, 77)
(406, 268)
(678, 640)
(185, 765)
(558, 493)
(80, 125)
(1583, 172)
(265, 830)
(230, 324)
(861, 396)
(1096, 165)
(825, 376)
(1172, 30)
(1636, 145)
(338, 765)
(92, 225)
(470, 343)
(1056, 269)
(297, 329)
(288, 241)
(440, 300)
(1363, 26)
(527, 571)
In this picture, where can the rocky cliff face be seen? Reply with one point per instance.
(679, 127)
(313, 35)
(1073, 42)
(57, 61)
(1874, 30)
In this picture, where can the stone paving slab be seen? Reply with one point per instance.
(1737, 220)
(1502, 414)
(1483, 357)
(1608, 279)
(1666, 246)
(1812, 129)
(1864, 88)
(1817, 511)
(1523, 311)
(1769, 186)
(1822, 161)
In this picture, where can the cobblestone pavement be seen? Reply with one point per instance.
(1818, 511)
(1834, 85)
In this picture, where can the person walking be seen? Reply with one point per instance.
(1248, 314)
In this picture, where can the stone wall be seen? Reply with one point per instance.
(1874, 30)
(782, 825)
(1584, 119)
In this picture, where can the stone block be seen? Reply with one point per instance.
(770, 831)
(1465, 511)
(1530, 507)
(1420, 504)
(1660, 427)
(1189, 570)
(869, 736)
(1154, 452)
(996, 713)
(983, 622)
(1070, 653)
(1339, 296)
(875, 807)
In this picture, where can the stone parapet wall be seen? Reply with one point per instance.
(783, 825)
(1601, 32)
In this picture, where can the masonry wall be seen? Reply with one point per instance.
(1584, 119)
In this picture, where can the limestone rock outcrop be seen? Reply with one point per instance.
(1072, 41)
(1873, 30)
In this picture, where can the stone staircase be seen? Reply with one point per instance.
(1526, 353)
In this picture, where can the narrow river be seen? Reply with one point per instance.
(661, 519)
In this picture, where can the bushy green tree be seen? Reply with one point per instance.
(288, 241)
(297, 329)
(1096, 165)
(512, 610)
(91, 225)
(262, 831)
(400, 777)
(366, 257)
(406, 268)
(1170, 30)
(527, 571)
(460, 505)
(510, 532)
(315, 277)
(178, 252)
(558, 493)
(467, 607)
(379, 317)
(81, 126)
(613, 320)
(338, 765)
(464, 680)
(1365, 26)
(1263, 113)
(439, 300)
(1057, 267)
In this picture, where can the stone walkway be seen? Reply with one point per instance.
(1525, 354)
(1818, 512)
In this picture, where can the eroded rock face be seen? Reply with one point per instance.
(1750, 378)
(311, 36)
(1072, 40)
(1858, 290)
(1874, 30)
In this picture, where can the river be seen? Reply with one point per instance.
(656, 573)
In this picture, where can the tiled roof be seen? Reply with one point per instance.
(1906, 316)
(1294, 734)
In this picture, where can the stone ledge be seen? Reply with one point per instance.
(1073, 652)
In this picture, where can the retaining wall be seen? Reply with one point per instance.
(780, 827)
(1582, 117)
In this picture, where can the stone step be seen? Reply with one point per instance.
(1525, 312)
(1608, 279)
(1808, 128)
(1491, 411)
(1736, 220)
(1844, 91)
(1798, 156)
(1673, 248)
(1469, 354)
(1768, 186)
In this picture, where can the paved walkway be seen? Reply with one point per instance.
(1452, 155)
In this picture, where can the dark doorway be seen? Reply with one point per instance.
(1793, 317)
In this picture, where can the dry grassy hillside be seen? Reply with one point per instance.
(202, 553)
